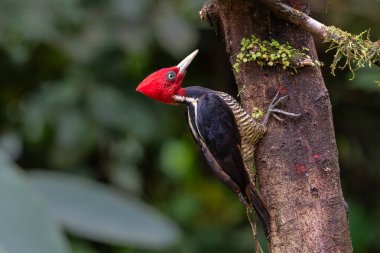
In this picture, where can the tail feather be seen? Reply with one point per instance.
(258, 204)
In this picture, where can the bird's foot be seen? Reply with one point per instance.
(272, 110)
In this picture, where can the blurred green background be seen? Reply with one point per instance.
(87, 165)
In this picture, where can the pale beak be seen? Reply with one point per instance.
(186, 62)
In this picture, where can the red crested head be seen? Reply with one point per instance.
(165, 83)
(162, 85)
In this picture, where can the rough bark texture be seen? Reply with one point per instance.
(297, 160)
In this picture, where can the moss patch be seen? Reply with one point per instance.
(272, 53)
(256, 112)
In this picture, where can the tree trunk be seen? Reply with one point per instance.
(297, 161)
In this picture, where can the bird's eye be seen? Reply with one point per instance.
(170, 76)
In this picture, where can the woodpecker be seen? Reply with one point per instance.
(225, 133)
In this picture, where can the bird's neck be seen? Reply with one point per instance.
(181, 92)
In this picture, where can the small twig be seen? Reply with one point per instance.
(253, 223)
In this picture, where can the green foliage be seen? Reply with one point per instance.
(177, 158)
(272, 53)
(359, 219)
(354, 49)
(84, 208)
(27, 226)
(101, 213)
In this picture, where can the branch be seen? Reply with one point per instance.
(296, 17)
(353, 47)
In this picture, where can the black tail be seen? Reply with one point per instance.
(260, 207)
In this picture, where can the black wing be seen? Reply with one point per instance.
(213, 125)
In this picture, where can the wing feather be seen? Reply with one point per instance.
(213, 125)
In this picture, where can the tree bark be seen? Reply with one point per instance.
(297, 160)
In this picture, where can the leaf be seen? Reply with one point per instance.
(2, 250)
(25, 224)
(10, 143)
(101, 213)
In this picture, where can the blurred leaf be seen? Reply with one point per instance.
(25, 224)
(177, 158)
(2, 250)
(360, 221)
(100, 213)
(10, 143)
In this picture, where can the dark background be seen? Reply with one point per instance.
(68, 73)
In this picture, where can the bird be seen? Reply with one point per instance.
(225, 133)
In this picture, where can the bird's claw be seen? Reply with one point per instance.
(272, 110)
(276, 100)
(277, 117)
(290, 114)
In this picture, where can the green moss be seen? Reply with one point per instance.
(352, 51)
(257, 113)
(272, 53)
